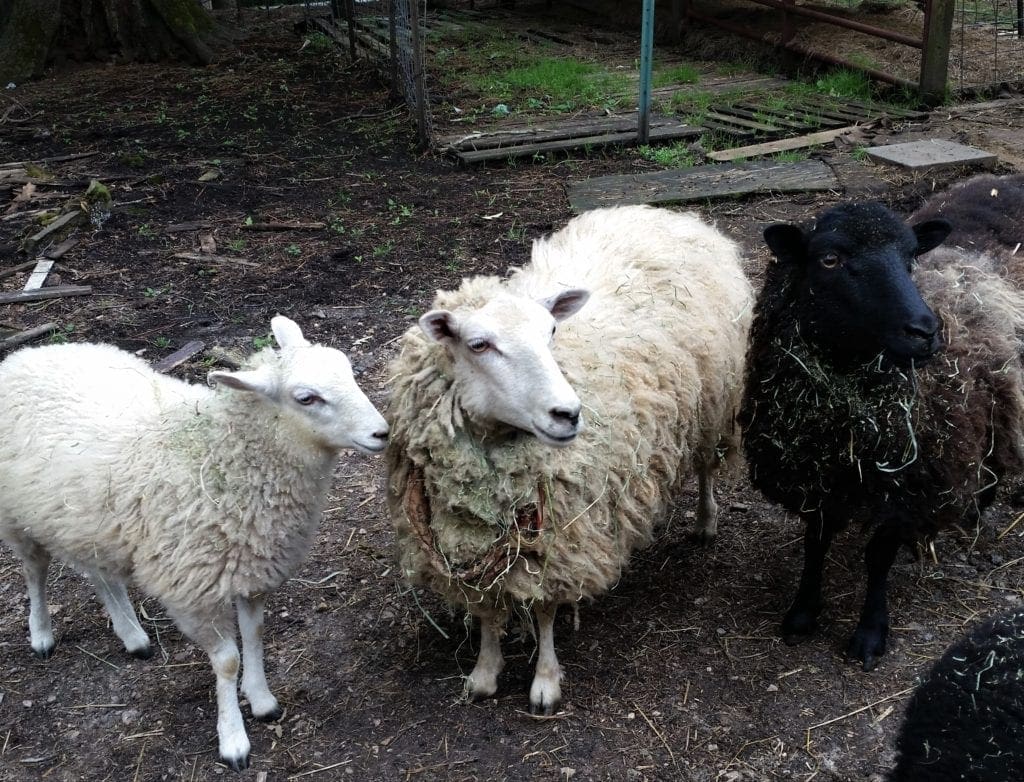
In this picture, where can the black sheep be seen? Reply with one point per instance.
(966, 719)
(873, 399)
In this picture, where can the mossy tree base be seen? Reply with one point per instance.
(34, 32)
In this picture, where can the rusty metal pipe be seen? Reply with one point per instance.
(840, 21)
(793, 47)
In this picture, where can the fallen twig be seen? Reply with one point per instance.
(283, 226)
(215, 258)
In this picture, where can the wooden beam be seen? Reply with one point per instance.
(771, 147)
(179, 356)
(53, 292)
(935, 53)
(700, 182)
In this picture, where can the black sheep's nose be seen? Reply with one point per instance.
(924, 326)
(567, 415)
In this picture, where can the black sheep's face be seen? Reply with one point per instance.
(856, 297)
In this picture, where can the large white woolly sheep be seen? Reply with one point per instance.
(486, 512)
(201, 496)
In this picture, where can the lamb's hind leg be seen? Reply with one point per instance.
(254, 680)
(546, 690)
(114, 596)
(707, 508)
(483, 681)
(35, 561)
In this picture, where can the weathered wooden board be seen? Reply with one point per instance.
(781, 145)
(929, 154)
(667, 133)
(552, 130)
(694, 184)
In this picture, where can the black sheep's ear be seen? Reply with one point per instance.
(930, 234)
(786, 241)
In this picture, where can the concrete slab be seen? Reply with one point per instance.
(931, 153)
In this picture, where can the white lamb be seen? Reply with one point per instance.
(485, 512)
(201, 496)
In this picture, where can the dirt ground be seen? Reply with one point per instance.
(678, 673)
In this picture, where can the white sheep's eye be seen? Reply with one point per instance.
(830, 260)
(478, 345)
(307, 398)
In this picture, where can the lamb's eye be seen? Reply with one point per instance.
(307, 398)
(553, 330)
(478, 345)
(830, 260)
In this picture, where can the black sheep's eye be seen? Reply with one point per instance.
(830, 260)
(478, 345)
(307, 398)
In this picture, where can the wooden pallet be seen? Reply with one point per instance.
(700, 182)
(554, 135)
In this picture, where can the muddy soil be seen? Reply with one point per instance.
(678, 673)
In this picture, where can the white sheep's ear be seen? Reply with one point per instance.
(566, 303)
(255, 381)
(287, 333)
(440, 325)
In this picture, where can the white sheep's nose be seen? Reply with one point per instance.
(566, 416)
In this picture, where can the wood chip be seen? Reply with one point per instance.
(179, 356)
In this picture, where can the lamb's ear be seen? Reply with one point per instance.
(440, 325)
(566, 303)
(287, 333)
(255, 381)
(930, 234)
(787, 242)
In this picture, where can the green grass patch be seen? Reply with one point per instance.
(681, 73)
(555, 83)
(846, 84)
(677, 155)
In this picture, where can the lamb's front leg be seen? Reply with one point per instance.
(35, 561)
(254, 680)
(483, 681)
(546, 690)
(217, 639)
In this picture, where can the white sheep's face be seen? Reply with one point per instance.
(503, 363)
(316, 386)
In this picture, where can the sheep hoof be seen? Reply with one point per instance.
(236, 764)
(143, 653)
(703, 537)
(799, 625)
(271, 716)
(45, 653)
(867, 646)
(543, 709)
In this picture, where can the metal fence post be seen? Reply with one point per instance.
(643, 133)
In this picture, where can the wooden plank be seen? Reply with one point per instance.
(26, 336)
(731, 130)
(743, 123)
(524, 150)
(815, 106)
(781, 145)
(54, 253)
(511, 135)
(204, 258)
(179, 356)
(38, 275)
(60, 226)
(12, 270)
(727, 179)
(783, 119)
(53, 292)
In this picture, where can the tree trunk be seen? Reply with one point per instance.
(34, 32)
